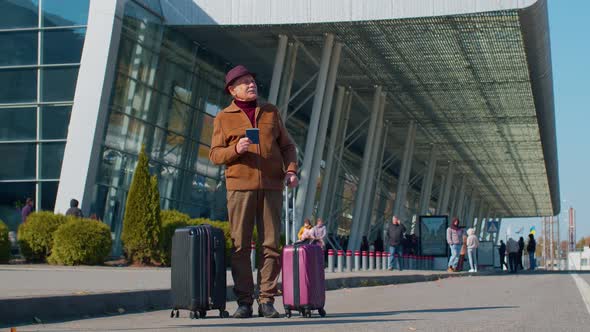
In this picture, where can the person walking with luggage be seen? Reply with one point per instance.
(520, 252)
(531, 247)
(306, 226)
(255, 177)
(512, 248)
(502, 252)
(455, 241)
(395, 234)
(472, 244)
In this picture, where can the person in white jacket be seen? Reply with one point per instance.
(472, 244)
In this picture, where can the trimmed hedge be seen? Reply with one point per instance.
(35, 236)
(81, 241)
(171, 220)
(4, 243)
(141, 223)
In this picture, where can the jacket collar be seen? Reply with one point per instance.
(233, 108)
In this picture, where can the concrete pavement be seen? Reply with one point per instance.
(49, 293)
(524, 302)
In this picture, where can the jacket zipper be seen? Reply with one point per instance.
(257, 145)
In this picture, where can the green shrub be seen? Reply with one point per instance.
(81, 241)
(171, 220)
(4, 243)
(35, 236)
(141, 223)
(225, 227)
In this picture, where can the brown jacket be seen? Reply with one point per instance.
(264, 165)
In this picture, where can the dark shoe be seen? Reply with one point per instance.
(243, 311)
(267, 310)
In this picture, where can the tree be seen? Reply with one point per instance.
(141, 222)
(584, 242)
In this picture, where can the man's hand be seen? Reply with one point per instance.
(291, 180)
(243, 145)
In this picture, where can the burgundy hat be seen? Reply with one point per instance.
(235, 73)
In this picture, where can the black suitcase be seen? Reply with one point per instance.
(198, 271)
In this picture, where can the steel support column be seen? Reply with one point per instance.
(354, 240)
(287, 80)
(277, 71)
(470, 211)
(427, 182)
(322, 130)
(339, 152)
(310, 142)
(374, 166)
(334, 136)
(402, 184)
(441, 193)
(460, 200)
(444, 209)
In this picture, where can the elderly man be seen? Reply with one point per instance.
(395, 234)
(255, 177)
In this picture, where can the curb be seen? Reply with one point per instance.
(31, 310)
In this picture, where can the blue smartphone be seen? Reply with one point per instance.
(253, 135)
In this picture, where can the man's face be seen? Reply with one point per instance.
(395, 221)
(244, 88)
(320, 222)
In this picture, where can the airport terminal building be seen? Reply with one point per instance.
(397, 107)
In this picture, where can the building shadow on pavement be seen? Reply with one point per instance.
(296, 321)
(387, 313)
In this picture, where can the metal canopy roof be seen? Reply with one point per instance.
(478, 85)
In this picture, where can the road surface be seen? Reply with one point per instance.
(539, 302)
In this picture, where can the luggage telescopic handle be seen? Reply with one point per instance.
(289, 228)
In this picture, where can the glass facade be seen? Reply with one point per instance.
(166, 93)
(42, 44)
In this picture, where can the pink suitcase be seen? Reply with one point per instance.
(304, 285)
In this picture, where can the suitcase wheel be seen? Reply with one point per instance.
(288, 313)
(223, 314)
(322, 312)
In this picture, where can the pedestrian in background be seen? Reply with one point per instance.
(454, 239)
(502, 252)
(512, 249)
(395, 234)
(520, 252)
(27, 209)
(463, 251)
(74, 210)
(319, 232)
(306, 226)
(364, 244)
(378, 243)
(472, 244)
(531, 248)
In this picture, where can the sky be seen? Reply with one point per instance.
(569, 24)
